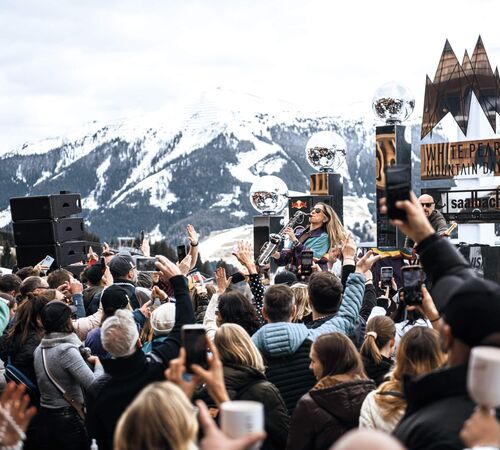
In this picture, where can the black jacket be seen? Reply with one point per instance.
(328, 411)
(246, 383)
(291, 374)
(437, 407)
(124, 378)
(21, 355)
(438, 403)
(378, 372)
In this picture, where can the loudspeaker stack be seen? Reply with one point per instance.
(42, 226)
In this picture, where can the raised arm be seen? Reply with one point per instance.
(194, 238)
(184, 313)
(344, 320)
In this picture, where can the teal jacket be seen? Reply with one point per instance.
(284, 338)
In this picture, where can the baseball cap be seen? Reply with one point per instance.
(113, 298)
(163, 319)
(55, 314)
(473, 311)
(121, 264)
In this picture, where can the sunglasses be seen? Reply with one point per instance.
(317, 210)
(427, 205)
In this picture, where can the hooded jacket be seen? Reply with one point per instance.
(286, 352)
(67, 367)
(328, 411)
(285, 346)
(247, 383)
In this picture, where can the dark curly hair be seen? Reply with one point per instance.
(234, 307)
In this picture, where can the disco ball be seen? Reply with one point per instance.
(325, 151)
(269, 195)
(393, 103)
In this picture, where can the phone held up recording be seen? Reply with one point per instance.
(195, 343)
(144, 264)
(386, 274)
(306, 262)
(413, 277)
(181, 252)
(397, 179)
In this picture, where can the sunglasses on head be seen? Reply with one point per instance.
(427, 205)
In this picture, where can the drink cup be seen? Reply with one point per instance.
(239, 418)
(483, 379)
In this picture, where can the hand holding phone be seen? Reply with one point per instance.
(144, 264)
(181, 252)
(306, 258)
(386, 274)
(194, 342)
(413, 277)
(397, 188)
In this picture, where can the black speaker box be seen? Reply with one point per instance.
(37, 232)
(45, 206)
(65, 254)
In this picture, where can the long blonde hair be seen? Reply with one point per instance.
(161, 416)
(301, 301)
(419, 352)
(236, 347)
(334, 228)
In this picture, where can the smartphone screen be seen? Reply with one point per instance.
(146, 264)
(181, 252)
(195, 343)
(412, 284)
(306, 259)
(397, 188)
(47, 261)
(386, 274)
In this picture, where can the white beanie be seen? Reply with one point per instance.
(163, 319)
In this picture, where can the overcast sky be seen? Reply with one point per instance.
(64, 63)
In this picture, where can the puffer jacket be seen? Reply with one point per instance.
(247, 383)
(328, 411)
(285, 350)
(21, 355)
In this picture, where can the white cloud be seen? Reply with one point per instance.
(66, 63)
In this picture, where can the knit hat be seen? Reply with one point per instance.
(113, 298)
(473, 311)
(95, 272)
(163, 319)
(285, 277)
(55, 314)
(121, 264)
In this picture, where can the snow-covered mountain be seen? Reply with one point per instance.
(161, 172)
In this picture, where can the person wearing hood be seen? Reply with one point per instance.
(59, 367)
(285, 345)
(245, 380)
(332, 407)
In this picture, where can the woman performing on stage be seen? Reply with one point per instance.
(324, 232)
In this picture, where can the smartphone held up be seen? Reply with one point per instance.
(398, 188)
(194, 342)
(413, 278)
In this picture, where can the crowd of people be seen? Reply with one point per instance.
(337, 360)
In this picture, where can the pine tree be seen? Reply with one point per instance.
(7, 260)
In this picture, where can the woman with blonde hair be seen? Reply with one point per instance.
(301, 297)
(324, 232)
(377, 348)
(245, 380)
(419, 352)
(160, 417)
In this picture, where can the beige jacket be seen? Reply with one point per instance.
(371, 416)
(84, 325)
